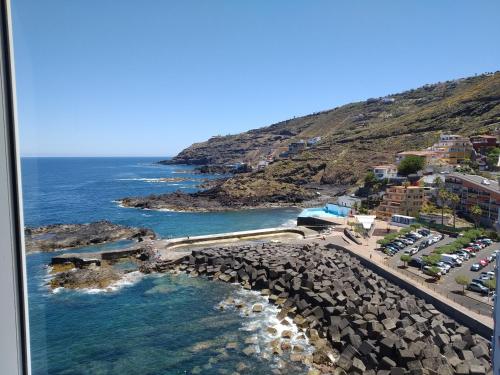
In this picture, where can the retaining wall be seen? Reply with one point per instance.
(460, 316)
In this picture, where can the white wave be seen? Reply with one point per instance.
(142, 179)
(128, 279)
(258, 323)
(292, 223)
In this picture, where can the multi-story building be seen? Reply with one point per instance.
(401, 200)
(476, 190)
(453, 149)
(385, 171)
(482, 144)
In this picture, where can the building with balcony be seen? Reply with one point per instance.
(482, 144)
(401, 200)
(476, 190)
(453, 149)
(385, 171)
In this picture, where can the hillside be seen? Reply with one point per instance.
(358, 135)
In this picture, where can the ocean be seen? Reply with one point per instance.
(155, 324)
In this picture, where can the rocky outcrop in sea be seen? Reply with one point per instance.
(358, 322)
(224, 195)
(65, 236)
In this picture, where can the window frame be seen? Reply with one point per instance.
(14, 338)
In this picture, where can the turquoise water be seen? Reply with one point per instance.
(330, 210)
(150, 325)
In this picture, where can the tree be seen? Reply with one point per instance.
(491, 284)
(432, 259)
(370, 179)
(355, 207)
(476, 213)
(405, 258)
(434, 272)
(492, 158)
(411, 164)
(443, 197)
(438, 182)
(462, 280)
(453, 200)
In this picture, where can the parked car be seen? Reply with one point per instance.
(451, 258)
(424, 232)
(416, 262)
(480, 281)
(413, 250)
(469, 251)
(444, 266)
(406, 241)
(483, 262)
(398, 244)
(476, 287)
(488, 274)
(451, 264)
(476, 267)
(464, 253)
(427, 271)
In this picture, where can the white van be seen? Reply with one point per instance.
(451, 258)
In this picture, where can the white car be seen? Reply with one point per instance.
(418, 235)
(443, 267)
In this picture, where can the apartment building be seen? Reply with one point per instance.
(401, 200)
(476, 190)
(453, 149)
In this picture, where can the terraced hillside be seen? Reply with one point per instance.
(358, 135)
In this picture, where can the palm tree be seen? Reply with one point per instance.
(476, 213)
(454, 200)
(443, 197)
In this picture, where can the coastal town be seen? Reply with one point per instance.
(397, 277)
(372, 250)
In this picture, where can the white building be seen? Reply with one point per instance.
(385, 171)
(348, 201)
(402, 220)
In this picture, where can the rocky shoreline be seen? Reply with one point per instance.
(213, 200)
(358, 322)
(64, 236)
(98, 273)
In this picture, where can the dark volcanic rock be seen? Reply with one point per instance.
(230, 194)
(92, 278)
(371, 324)
(64, 236)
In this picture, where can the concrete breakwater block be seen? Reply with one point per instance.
(356, 320)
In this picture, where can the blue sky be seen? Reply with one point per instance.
(117, 78)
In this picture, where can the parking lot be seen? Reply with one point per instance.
(447, 284)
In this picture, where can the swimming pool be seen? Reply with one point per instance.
(329, 211)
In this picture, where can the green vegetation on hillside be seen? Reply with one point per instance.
(356, 136)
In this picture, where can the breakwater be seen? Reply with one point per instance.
(358, 322)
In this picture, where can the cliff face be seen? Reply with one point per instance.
(358, 135)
